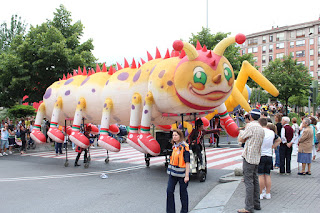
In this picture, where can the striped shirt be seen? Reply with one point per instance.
(253, 136)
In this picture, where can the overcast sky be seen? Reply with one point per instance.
(127, 28)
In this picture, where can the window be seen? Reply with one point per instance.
(300, 33)
(311, 73)
(311, 30)
(311, 52)
(253, 41)
(264, 39)
(311, 63)
(255, 49)
(280, 36)
(270, 57)
(292, 34)
(311, 41)
(300, 53)
(271, 38)
(249, 50)
(263, 59)
(319, 62)
(301, 62)
(255, 59)
(270, 48)
(300, 43)
(292, 44)
(319, 51)
(264, 49)
(280, 45)
(280, 55)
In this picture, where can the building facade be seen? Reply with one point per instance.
(302, 41)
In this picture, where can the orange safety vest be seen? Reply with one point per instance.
(176, 158)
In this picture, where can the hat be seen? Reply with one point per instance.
(255, 112)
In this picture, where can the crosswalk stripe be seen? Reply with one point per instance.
(217, 158)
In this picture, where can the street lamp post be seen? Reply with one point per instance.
(309, 103)
(207, 15)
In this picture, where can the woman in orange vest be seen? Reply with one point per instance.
(178, 171)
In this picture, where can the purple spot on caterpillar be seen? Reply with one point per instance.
(146, 111)
(137, 76)
(80, 110)
(93, 90)
(58, 82)
(67, 92)
(134, 97)
(144, 103)
(56, 104)
(47, 94)
(79, 102)
(133, 107)
(153, 69)
(161, 73)
(170, 83)
(161, 87)
(68, 81)
(147, 70)
(105, 105)
(107, 82)
(107, 108)
(85, 81)
(123, 76)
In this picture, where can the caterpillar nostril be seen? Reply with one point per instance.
(216, 79)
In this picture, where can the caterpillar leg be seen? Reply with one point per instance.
(36, 134)
(227, 122)
(54, 133)
(135, 117)
(106, 141)
(146, 141)
(76, 136)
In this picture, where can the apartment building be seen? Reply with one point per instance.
(302, 41)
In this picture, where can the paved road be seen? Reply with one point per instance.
(39, 182)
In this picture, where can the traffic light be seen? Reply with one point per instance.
(311, 94)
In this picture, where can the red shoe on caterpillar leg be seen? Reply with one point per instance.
(132, 140)
(230, 126)
(38, 136)
(56, 135)
(109, 143)
(149, 144)
(79, 139)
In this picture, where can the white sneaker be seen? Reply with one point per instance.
(4, 154)
(268, 196)
(10, 153)
(261, 196)
(1, 155)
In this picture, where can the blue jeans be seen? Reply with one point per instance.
(183, 194)
(277, 162)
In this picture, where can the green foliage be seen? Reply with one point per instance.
(232, 53)
(19, 111)
(299, 100)
(259, 95)
(288, 77)
(295, 115)
(8, 33)
(41, 57)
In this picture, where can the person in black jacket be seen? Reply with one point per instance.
(195, 138)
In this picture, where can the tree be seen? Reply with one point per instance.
(17, 27)
(288, 77)
(46, 53)
(20, 111)
(259, 95)
(232, 52)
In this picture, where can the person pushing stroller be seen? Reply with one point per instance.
(195, 138)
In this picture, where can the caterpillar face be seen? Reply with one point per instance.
(200, 87)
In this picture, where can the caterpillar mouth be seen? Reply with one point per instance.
(212, 95)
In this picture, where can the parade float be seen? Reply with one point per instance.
(189, 81)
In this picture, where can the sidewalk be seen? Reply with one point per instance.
(290, 193)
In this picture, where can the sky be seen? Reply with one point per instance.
(127, 28)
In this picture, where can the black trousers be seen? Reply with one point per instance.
(285, 158)
(216, 136)
(196, 148)
(23, 147)
(85, 156)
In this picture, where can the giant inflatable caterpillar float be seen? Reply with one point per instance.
(190, 80)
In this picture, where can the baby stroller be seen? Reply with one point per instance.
(196, 167)
(121, 136)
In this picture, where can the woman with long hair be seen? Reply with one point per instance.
(178, 171)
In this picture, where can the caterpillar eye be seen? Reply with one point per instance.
(227, 72)
(199, 76)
